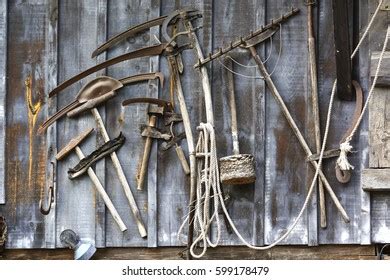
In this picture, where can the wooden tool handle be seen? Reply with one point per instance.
(145, 157)
(103, 194)
(121, 175)
(232, 105)
(183, 160)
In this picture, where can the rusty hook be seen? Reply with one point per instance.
(50, 200)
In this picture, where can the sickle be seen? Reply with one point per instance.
(97, 91)
(344, 176)
(148, 51)
(130, 33)
(160, 102)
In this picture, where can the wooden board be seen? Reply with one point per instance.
(76, 199)
(376, 180)
(3, 75)
(380, 225)
(122, 15)
(246, 205)
(338, 232)
(263, 211)
(383, 76)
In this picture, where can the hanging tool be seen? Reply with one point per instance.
(103, 151)
(150, 132)
(344, 176)
(237, 169)
(50, 195)
(96, 88)
(74, 145)
(314, 100)
(343, 50)
(280, 101)
(96, 92)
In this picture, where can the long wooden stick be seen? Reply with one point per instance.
(295, 129)
(102, 192)
(121, 175)
(315, 108)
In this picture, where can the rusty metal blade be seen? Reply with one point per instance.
(128, 33)
(159, 102)
(143, 77)
(148, 51)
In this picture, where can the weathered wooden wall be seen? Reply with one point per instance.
(49, 41)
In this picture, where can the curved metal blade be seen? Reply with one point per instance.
(128, 33)
(148, 51)
(160, 102)
(143, 77)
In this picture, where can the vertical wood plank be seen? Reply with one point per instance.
(76, 198)
(286, 169)
(3, 89)
(25, 151)
(122, 15)
(51, 40)
(100, 207)
(364, 70)
(246, 207)
(337, 231)
(173, 184)
(153, 161)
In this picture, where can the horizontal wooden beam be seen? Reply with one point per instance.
(322, 252)
(376, 180)
(384, 73)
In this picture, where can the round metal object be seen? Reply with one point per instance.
(237, 169)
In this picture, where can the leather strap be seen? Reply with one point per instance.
(106, 149)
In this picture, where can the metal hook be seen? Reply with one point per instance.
(50, 200)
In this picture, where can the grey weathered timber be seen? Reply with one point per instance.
(261, 211)
(121, 15)
(364, 69)
(375, 180)
(383, 77)
(100, 209)
(51, 45)
(284, 155)
(3, 75)
(154, 64)
(25, 153)
(338, 232)
(379, 128)
(380, 201)
(76, 199)
(246, 205)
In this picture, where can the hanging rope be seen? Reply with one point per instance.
(208, 180)
(346, 147)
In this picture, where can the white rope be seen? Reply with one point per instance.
(346, 147)
(202, 220)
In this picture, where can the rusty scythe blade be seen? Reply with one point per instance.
(128, 33)
(160, 102)
(148, 51)
(136, 29)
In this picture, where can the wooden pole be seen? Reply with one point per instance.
(315, 107)
(102, 192)
(296, 130)
(121, 175)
